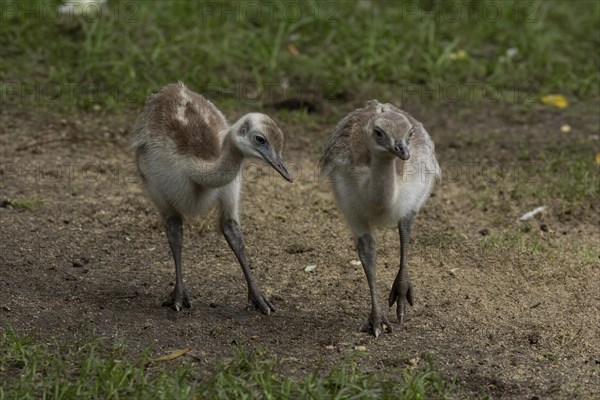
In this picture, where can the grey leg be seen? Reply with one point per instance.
(233, 234)
(402, 290)
(178, 298)
(367, 253)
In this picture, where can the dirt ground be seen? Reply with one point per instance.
(505, 319)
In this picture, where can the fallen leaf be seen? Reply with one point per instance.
(565, 128)
(555, 100)
(355, 263)
(280, 217)
(310, 268)
(510, 53)
(513, 51)
(598, 158)
(293, 50)
(172, 356)
(413, 361)
(360, 348)
(81, 7)
(459, 55)
(532, 213)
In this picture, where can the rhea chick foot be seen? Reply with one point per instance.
(382, 166)
(189, 158)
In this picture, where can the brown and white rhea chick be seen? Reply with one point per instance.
(190, 158)
(382, 166)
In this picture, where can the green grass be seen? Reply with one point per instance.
(537, 251)
(96, 370)
(567, 176)
(26, 204)
(564, 175)
(238, 51)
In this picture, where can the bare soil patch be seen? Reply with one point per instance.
(510, 309)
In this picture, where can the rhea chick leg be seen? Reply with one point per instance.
(229, 201)
(402, 290)
(367, 253)
(178, 298)
(233, 234)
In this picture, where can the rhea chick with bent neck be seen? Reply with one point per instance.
(189, 158)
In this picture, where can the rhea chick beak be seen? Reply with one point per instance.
(275, 161)
(400, 150)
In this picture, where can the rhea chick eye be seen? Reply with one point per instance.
(378, 133)
(260, 140)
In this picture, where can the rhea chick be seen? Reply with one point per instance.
(189, 158)
(382, 166)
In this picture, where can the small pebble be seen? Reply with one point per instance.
(360, 348)
(484, 232)
(310, 268)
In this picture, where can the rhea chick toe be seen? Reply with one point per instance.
(189, 158)
(382, 166)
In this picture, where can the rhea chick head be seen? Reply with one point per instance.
(390, 135)
(258, 137)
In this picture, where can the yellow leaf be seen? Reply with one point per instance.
(598, 158)
(293, 50)
(555, 100)
(172, 356)
(565, 128)
(459, 55)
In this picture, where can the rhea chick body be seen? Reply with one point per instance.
(369, 206)
(382, 167)
(188, 154)
(189, 158)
